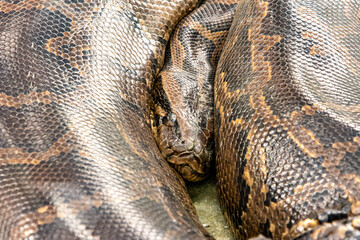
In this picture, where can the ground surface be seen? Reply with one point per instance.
(207, 205)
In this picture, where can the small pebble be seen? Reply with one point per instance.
(356, 223)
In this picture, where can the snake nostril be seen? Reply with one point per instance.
(198, 148)
(179, 148)
(189, 145)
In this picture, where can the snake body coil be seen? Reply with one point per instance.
(77, 155)
(287, 99)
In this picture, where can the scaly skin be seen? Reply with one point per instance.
(287, 98)
(77, 155)
(183, 92)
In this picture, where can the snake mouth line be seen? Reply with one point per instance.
(190, 165)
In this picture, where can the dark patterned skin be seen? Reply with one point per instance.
(77, 156)
(183, 92)
(287, 101)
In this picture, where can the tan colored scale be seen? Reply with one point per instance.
(78, 160)
(259, 211)
(17, 156)
(185, 83)
(26, 99)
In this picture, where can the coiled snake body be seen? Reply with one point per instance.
(78, 159)
(287, 121)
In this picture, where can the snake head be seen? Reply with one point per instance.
(184, 136)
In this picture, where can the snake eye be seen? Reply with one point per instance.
(172, 117)
(169, 120)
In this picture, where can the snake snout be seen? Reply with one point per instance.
(193, 167)
(185, 145)
(192, 159)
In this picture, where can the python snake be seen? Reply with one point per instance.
(78, 158)
(287, 120)
(82, 94)
(183, 91)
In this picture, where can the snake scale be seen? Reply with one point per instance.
(78, 158)
(88, 115)
(287, 126)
